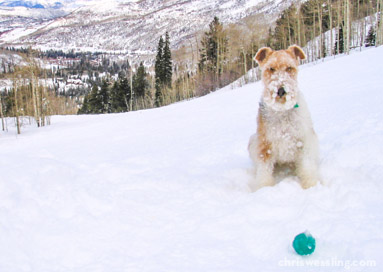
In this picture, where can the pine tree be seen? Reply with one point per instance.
(125, 92)
(210, 45)
(371, 37)
(158, 69)
(94, 103)
(163, 70)
(85, 108)
(167, 65)
(140, 83)
(119, 95)
(339, 43)
(98, 100)
(104, 97)
(158, 66)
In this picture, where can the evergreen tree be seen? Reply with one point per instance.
(167, 65)
(104, 97)
(125, 92)
(159, 99)
(119, 94)
(163, 70)
(339, 43)
(214, 47)
(140, 83)
(158, 69)
(98, 99)
(94, 103)
(85, 108)
(158, 66)
(371, 37)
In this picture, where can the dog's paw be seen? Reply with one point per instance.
(308, 183)
(265, 183)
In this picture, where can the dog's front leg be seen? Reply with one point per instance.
(264, 174)
(308, 174)
(260, 153)
(307, 166)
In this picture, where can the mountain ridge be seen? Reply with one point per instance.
(131, 27)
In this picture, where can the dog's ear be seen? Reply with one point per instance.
(262, 54)
(297, 51)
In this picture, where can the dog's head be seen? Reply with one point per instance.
(279, 75)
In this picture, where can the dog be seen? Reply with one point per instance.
(285, 134)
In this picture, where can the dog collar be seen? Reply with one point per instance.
(262, 107)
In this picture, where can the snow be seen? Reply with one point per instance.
(86, 23)
(167, 189)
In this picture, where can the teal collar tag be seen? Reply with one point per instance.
(296, 105)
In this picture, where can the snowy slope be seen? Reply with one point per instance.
(167, 189)
(113, 25)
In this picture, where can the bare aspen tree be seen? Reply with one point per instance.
(338, 27)
(218, 60)
(192, 53)
(44, 101)
(244, 65)
(359, 38)
(377, 35)
(288, 31)
(370, 10)
(131, 89)
(314, 53)
(252, 63)
(347, 29)
(16, 106)
(321, 54)
(2, 113)
(379, 22)
(34, 97)
(329, 4)
(48, 106)
(362, 25)
(299, 24)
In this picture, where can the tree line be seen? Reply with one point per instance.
(322, 27)
(225, 54)
(328, 27)
(129, 92)
(30, 100)
(134, 91)
(222, 55)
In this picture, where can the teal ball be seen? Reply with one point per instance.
(304, 243)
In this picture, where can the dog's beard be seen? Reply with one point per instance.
(273, 101)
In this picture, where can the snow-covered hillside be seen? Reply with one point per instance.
(99, 25)
(167, 189)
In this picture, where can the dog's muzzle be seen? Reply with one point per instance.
(281, 92)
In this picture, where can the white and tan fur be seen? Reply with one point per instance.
(285, 134)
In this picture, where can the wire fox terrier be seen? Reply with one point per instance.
(285, 134)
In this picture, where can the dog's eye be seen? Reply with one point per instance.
(289, 69)
(272, 69)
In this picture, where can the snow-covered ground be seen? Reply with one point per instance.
(167, 189)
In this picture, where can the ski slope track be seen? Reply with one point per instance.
(168, 189)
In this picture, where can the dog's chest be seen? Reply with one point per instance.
(284, 132)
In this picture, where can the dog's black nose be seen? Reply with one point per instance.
(281, 92)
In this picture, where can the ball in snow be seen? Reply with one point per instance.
(304, 243)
